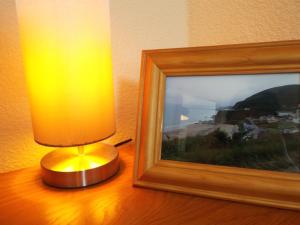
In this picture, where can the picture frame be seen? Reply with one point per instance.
(263, 187)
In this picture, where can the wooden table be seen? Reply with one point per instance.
(26, 200)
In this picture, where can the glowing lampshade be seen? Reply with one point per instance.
(67, 57)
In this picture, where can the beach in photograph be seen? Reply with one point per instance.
(249, 121)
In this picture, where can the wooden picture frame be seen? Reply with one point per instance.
(278, 189)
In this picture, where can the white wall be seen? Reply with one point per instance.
(213, 22)
(137, 25)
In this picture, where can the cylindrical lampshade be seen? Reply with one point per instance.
(67, 57)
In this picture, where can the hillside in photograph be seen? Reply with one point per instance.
(271, 100)
(265, 103)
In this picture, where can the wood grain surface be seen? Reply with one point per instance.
(26, 200)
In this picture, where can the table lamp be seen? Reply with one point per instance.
(67, 56)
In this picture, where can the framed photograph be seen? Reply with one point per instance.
(222, 121)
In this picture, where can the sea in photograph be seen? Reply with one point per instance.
(194, 115)
(250, 121)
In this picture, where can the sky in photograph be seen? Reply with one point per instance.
(224, 91)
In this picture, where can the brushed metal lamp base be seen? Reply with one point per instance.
(71, 168)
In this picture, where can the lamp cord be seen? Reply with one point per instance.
(122, 142)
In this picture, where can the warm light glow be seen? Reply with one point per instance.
(184, 118)
(67, 56)
(71, 159)
(76, 162)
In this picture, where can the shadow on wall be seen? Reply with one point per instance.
(214, 22)
(15, 126)
(127, 90)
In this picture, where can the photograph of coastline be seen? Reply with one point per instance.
(249, 121)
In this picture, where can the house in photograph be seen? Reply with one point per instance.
(229, 129)
(268, 119)
(296, 118)
(293, 130)
(285, 114)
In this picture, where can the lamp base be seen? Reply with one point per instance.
(68, 168)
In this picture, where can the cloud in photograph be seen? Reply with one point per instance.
(224, 90)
